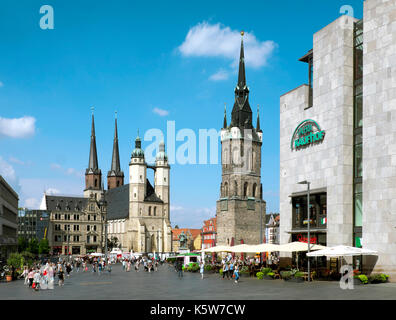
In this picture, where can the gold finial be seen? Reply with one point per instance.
(242, 33)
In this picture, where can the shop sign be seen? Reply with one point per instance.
(301, 238)
(307, 133)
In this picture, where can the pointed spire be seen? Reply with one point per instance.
(241, 74)
(115, 160)
(225, 117)
(258, 119)
(93, 156)
(241, 115)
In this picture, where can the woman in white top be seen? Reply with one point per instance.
(202, 267)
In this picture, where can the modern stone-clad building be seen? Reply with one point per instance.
(240, 211)
(8, 219)
(338, 133)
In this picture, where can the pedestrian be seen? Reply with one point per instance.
(201, 269)
(51, 277)
(25, 274)
(36, 280)
(123, 265)
(180, 269)
(78, 265)
(61, 276)
(68, 269)
(30, 277)
(236, 273)
(231, 271)
(129, 266)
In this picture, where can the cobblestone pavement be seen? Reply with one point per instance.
(165, 285)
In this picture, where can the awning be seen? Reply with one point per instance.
(218, 249)
(342, 251)
(298, 246)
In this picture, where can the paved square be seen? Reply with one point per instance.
(165, 285)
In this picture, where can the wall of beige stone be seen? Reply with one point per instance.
(379, 134)
(330, 163)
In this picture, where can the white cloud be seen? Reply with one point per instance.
(31, 203)
(219, 75)
(161, 112)
(18, 127)
(67, 171)
(52, 191)
(215, 40)
(20, 162)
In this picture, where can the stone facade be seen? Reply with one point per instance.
(327, 165)
(8, 219)
(379, 134)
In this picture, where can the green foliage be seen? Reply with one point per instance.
(378, 278)
(270, 274)
(259, 275)
(33, 246)
(286, 274)
(43, 247)
(244, 269)
(221, 272)
(363, 278)
(208, 267)
(193, 267)
(28, 257)
(22, 244)
(16, 260)
(299, 274)
(265, 270)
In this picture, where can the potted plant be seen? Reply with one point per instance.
(15, 262)
(244, 271)
(378, 278)
(259, 275)
(286, 275)
(360, 279)
(8, 273)
(269, 276)
(298, 277)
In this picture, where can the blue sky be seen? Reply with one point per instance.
(153, 62)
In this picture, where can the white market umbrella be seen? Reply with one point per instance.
(298, 246)
(218, 249)
(342, 251)
(241, 248)
(96, 254)
(265, 247)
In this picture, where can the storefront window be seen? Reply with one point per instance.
(318, 211)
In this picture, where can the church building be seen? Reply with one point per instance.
(240, 210)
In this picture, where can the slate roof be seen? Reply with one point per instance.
(60, 203)
(118, 203)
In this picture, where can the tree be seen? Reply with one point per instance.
(33, 246)
(22, 244)
(43, 247)
(176, 227)
(112, 243)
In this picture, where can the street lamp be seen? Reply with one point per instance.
(309, 224)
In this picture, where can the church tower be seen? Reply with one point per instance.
(115, 177)
(93, 175)
(240, 205)
(161, 178)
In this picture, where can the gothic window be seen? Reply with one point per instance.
(140, 211)
(235, 188)
(225, 189)
(155, 211)
(254, 161)
(118, 183)
(245, 189)
(149, 211)
(96, 182)
(225, 157)
(88, 227)
(235, 156)
(254, 190)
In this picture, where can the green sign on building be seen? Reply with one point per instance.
(307, 132)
